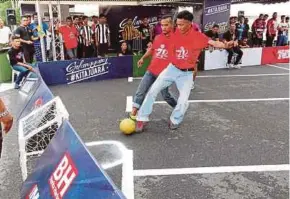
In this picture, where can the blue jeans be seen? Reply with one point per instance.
(146, 82)
(183, 81)
(282, 40)
(71, 53)
(23, 73)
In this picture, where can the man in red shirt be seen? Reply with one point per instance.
(187, 45)
(160, 51)
(271, 30)
(70, 34)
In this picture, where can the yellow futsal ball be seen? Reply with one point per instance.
(127, 126)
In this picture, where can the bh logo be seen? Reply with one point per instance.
(161, 52)
(182, 53)
(62, 177)
(34, 193)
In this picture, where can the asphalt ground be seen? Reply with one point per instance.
(253, 129)
(235, 118)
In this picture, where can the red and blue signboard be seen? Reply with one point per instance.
(67, 170)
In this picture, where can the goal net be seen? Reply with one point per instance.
(36, 130)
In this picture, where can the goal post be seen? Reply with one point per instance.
(37, 129)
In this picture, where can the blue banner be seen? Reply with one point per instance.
(216, 12)
(67, 170)
(35, 91)
(92, 69)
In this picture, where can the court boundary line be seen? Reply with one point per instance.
(209, 170)
(127, 175)
(129, 102)
(130, 79)
(274, 66)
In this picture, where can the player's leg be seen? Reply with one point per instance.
(168, 97)
(194, 76)
(240, 55)
(146, 82)
(230, 56)
(164, 80)
(183, 83)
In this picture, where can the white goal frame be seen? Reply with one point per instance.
(37, 116)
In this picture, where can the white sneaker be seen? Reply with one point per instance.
(192, 86)
(229, 66)
(237, 66)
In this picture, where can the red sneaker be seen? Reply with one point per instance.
(139, 126)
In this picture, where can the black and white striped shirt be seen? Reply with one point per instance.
(103, 32)
(86, 32)
(80, 38)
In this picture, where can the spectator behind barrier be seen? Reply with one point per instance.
(146, 33)
(230, 38)
(271, 30)
(213, 33)
(17, 62)
(70, 34)
(25, 35)
(244, 43)
(282, 39)
(5, 34)
(129, 33)
(124, 50)
(241, 28)
(258, 28)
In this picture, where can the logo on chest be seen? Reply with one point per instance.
(161, 52)
(181, 53)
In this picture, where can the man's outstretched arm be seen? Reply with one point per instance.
(5, 117)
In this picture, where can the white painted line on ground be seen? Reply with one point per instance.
(127, 175)
(278, 67)
(129, 104)
(231, 100)
(245, 75)
(203, 170)
(6, 87)
(130, 79)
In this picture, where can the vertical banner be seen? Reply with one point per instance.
(216, 12)
(118, 16)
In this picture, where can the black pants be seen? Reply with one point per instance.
(144, 45)
(231, 52)
(103, 49)
(88, 51)
(28, 51)
(269, 40)
(80, 51)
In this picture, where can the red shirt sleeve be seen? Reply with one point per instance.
(200, 40)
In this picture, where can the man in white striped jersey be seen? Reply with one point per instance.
(102, 36)
(87, 35)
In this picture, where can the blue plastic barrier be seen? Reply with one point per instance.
(92, 69)
(67, 170)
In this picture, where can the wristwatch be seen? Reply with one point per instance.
(3, 114)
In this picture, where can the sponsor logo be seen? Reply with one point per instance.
(38, 103)
(161, 52)
(137, 22)
(217, 9)
(181, 53)
(283, 54)
(33, 193)
(81, 70)
(223, 26)
(62, 177)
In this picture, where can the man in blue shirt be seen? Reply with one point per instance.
(38, 33)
